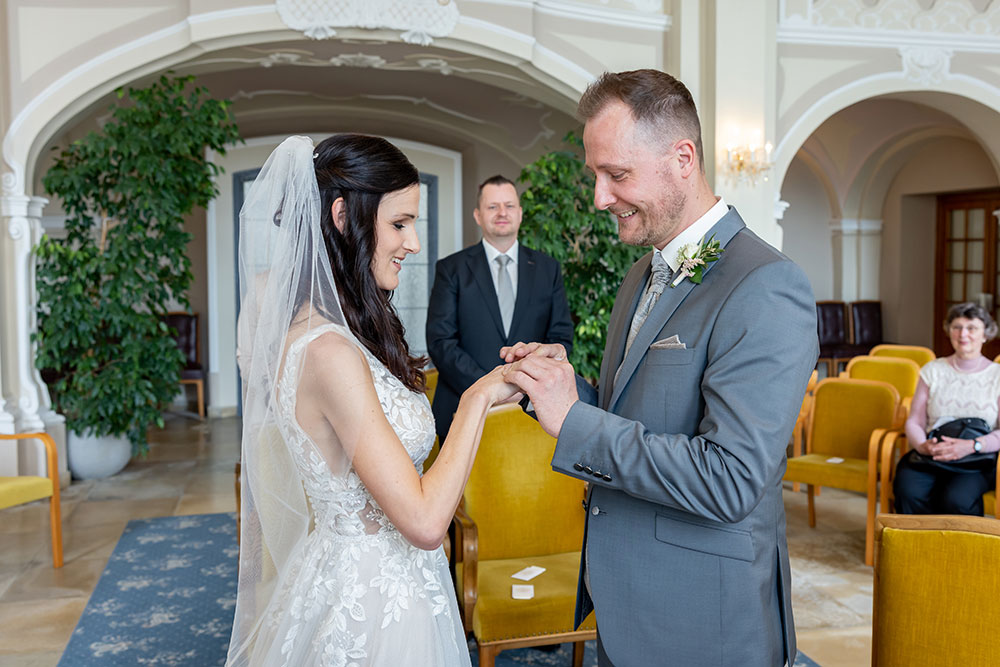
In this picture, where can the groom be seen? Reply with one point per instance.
(685, 559)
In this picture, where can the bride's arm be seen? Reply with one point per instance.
(337, 387)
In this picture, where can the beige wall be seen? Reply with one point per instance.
(806, 228)
(907, 272)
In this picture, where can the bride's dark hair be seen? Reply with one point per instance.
(362, 169)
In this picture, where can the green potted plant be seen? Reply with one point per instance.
(560, 220)
(112, 364)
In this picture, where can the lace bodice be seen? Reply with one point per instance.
(341, 502)
(357, 593)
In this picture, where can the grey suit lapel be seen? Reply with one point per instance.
(480, 270)
(618, 324)
(724, 230)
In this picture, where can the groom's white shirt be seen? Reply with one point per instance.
(693, 234)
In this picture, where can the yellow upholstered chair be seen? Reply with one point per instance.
(799, 432)
(844, 433)
(935, 593)
(431, 381)
(917, 353)
(26, 488)
(518, 512)
(901, 372)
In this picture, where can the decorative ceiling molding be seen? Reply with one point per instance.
(956, 24)
(544, 132)
(421, 20)
(416, 62)
(926, 65)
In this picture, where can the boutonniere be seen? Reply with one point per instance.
(694, 258)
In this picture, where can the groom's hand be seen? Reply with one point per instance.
(521, 350)
(550, 383)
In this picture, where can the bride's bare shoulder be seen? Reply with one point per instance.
(334, 354)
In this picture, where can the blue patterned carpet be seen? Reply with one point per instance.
(167, 597)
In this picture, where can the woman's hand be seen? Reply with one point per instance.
(950, 449)
(494, 387)
(925, 447)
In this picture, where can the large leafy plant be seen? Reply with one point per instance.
(560, 220)
(102, 289)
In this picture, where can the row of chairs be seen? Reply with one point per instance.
(846, 331)
(858, 453)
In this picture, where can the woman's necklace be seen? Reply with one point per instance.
(966, 365)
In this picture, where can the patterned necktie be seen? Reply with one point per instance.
(505, 292)
(657, 282)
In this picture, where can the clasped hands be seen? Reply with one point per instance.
(945, 448)
(543, 372)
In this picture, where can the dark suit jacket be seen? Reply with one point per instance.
(464, 330)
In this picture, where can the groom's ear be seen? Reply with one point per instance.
(687, 157)
(339, 211)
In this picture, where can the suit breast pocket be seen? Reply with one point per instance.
(670, 357)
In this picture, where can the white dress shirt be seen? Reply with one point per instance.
(693, 234)
(491, 256)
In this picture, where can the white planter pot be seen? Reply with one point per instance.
(93, 458)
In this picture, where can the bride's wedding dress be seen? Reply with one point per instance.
(358, 593)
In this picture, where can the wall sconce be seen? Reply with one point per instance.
(747, 163)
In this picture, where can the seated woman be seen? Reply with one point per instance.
(938, 476)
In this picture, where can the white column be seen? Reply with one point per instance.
(744, 64)
(857, 247)
(27, 396)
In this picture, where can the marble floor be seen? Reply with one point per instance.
(190, 471)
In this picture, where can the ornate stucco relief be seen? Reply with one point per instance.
(957, 17)
(420, 20)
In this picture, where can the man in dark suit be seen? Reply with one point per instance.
(489, 295)
(707, 358)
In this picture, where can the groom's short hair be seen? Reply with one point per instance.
(658, 101)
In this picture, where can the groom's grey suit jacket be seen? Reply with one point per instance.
(685, 540)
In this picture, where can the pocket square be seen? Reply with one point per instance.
(672, 343)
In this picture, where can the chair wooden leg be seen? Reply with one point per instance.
(578, 654)
(55, 520)
(200, 385)
(870, 530)
(238, 501)
(811, 491)
(488, 655)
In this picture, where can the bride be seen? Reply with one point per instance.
(340, 547)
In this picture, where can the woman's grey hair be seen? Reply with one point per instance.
(971, 311)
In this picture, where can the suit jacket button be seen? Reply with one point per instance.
(595, 510)
(598, 473)
(588, 470)
(607, 478)
(577, 467)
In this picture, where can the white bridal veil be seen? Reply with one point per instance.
(287, 290)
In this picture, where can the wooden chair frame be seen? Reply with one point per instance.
(875, 456)
(199, 384)
(974, 524)
(467, 553)
(55, 514)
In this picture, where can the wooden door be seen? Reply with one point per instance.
(967, 268)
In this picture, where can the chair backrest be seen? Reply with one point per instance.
(520, 505)
(935, 597)
(831, 322)
(431, 380)
(918, 353)
(845, 411)
(900, 372)
(186, 327)
(866, 322)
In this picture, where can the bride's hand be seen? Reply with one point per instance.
(496, 389)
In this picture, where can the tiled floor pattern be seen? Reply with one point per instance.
(190, 471)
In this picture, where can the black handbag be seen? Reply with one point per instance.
(967, 428)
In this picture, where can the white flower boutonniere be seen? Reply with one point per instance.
(694, 258)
